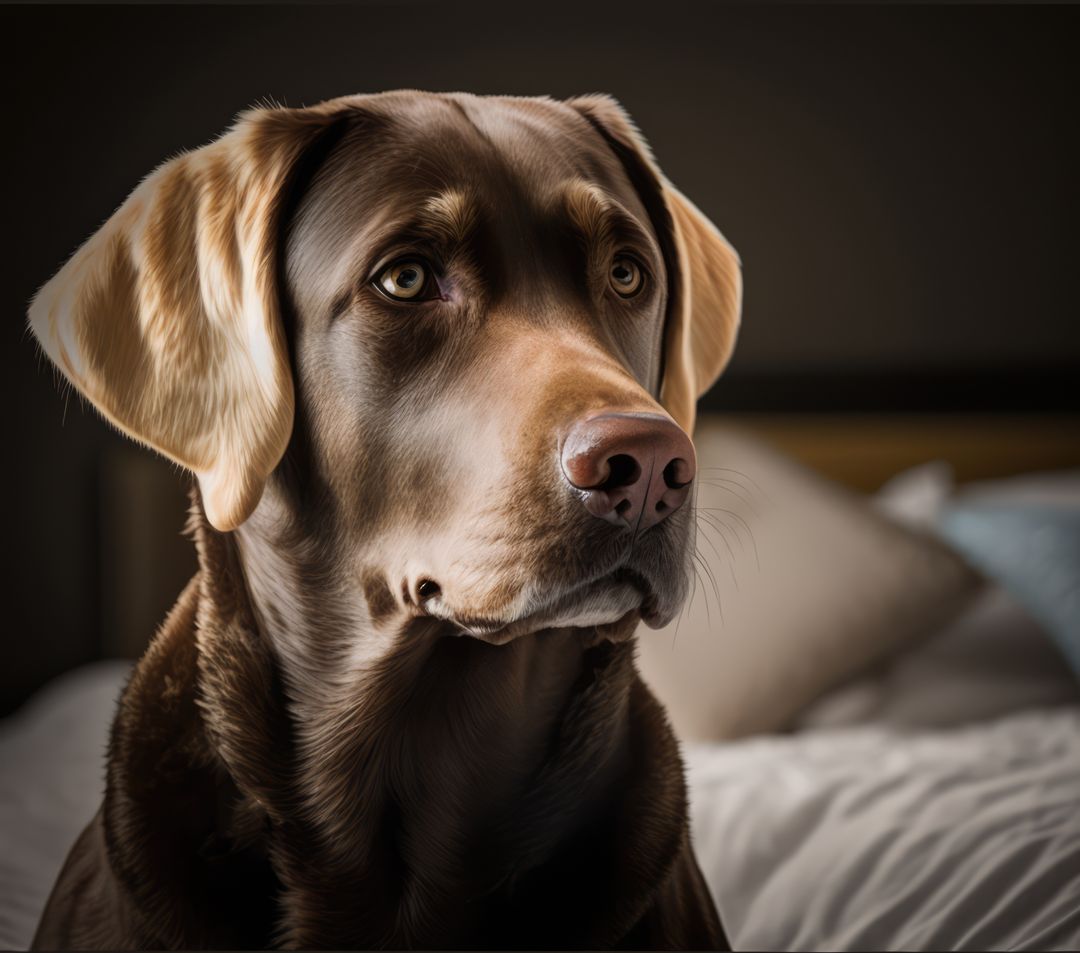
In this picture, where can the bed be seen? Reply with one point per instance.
(898, 779)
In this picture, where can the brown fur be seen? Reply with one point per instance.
(311, 753)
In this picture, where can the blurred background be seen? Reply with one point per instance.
(901, 183)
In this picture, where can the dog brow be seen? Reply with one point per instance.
(597, 216)
(446, 219)
(450, 214)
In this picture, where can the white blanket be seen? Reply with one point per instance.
(873, 839)
(52, 777)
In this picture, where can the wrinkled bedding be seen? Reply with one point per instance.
(871, 838)
(854, 838)
(52, 777)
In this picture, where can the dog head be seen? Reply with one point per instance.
(461, 337)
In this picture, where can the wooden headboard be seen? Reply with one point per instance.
(863, 451)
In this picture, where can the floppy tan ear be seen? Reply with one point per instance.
(706, 294)
(167, 318)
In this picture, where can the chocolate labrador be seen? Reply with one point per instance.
(432, 360)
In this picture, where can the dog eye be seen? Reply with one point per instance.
(626, 276)
(404, 280)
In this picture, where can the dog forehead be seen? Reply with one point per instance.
(536, 139)
(406, 146)
(511, 157)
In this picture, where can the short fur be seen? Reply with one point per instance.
(315, 751)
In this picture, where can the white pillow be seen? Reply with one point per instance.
(801, 586)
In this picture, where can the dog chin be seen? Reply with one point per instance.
(610, 607)
(603, 606)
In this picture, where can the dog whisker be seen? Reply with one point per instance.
(727, 545)
(719, 524)
(738, 473)
(730, 486)
(716, 590)
(743, 522)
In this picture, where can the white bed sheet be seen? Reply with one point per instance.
(876, 839)
(865, 838)
(52, 777)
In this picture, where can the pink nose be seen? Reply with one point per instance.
(635, 469)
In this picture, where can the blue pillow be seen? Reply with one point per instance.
(1033, 551)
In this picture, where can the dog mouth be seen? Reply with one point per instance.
(605, 602)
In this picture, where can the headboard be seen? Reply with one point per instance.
(863, 451)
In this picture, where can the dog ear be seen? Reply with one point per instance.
(167, 319)
(705, 277)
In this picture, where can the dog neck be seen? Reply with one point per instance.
(456, 766)
(444, 792)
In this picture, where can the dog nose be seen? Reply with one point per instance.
(635, 469)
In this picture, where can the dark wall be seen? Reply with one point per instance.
(900, 181)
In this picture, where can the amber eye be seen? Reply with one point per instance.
(404, 280)
(626, 276)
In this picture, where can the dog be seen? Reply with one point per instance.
(432, 361)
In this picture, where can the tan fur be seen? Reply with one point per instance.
(706, 314)
(699, 344)
(167, 318)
